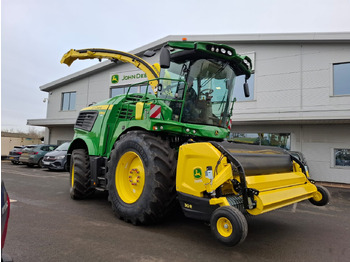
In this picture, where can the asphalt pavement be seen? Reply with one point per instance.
(46, 225)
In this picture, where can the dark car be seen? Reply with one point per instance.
(57, 159)
(33, 155)
(14, 154)
(5, 215)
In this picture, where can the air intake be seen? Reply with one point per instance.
(86, 120)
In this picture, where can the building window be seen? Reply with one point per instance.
(238, 91)
(342, 157)
(266, 139)
(341, 79)
(115, 91)
(68, 101)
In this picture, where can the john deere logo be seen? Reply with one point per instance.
(197, 173)
(115, 79)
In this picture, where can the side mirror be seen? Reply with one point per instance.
(164, 59)
(246, 89)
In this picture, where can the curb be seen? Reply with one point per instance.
(331, 184)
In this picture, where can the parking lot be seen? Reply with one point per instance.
(46, 225)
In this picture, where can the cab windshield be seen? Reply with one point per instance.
(208, 93)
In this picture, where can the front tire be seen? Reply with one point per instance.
(229, 225)
(141, 177)
(321, 197)
(80, 175)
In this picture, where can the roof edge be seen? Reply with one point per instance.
(314, 37)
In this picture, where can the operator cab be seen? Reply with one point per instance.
(201, 89)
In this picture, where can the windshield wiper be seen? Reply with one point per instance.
(217, 72)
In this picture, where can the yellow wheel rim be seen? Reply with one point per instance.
(72, 179)
(317, 196)
(130, 177)
(224, 227)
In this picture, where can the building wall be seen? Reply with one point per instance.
(318, 144)
(294, 81)
(57, 135)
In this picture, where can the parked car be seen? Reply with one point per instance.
(14, 154)
(57, 159)
(5, 215)
(33, 155)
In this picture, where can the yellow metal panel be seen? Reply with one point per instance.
(152, 72)
(100, 107)
(192, 164)
(139, 110)
(156, 67)
(270, 200)
(273, 181)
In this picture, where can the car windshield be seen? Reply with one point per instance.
(63, 147)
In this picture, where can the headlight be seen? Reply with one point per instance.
(60, 157)
(247, 63)
(220, 50)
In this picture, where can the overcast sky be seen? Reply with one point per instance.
(36, 33)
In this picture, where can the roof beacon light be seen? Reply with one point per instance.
(184, 39)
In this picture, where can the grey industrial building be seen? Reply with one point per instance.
(300, 95)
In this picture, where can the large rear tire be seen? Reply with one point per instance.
(141, 177)
(80, 175)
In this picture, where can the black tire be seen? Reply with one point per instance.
(14, 162)
(157, 161)
(40, 163)
(80, 175)
(323, 197)
(237, 226)
(65, 167)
